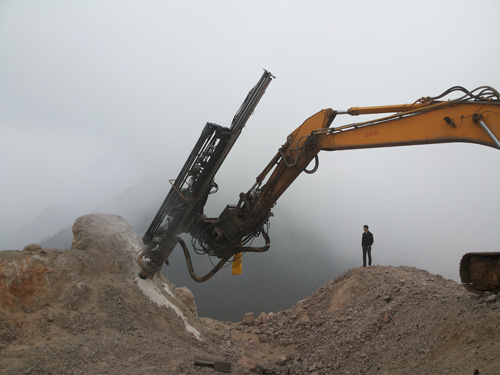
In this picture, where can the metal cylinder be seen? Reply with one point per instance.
(479, 119)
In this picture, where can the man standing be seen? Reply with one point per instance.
(366, 244)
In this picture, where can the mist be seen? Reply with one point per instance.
(98, 97)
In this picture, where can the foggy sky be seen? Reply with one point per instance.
(100, 96)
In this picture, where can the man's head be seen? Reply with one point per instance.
(365, 228)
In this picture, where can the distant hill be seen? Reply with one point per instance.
(60, 240)
(51, 228)
(46, 224)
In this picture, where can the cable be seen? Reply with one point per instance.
(485, 93)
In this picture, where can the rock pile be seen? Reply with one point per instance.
(386, 320)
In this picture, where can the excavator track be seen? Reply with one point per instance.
(480, 272)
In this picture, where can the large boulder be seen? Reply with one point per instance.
(110, 240)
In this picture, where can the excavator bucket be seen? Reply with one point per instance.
(480, 272)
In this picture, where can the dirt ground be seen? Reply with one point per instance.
(84, 311)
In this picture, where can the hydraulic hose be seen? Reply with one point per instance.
(190, 267)
(224, 260)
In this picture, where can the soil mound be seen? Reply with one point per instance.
(388, 320)
(84, 311)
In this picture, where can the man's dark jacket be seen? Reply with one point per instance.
(367, 239)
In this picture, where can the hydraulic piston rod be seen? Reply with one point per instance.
(479, 119)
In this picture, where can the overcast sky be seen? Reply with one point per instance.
(100, 96)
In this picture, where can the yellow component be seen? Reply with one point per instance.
(355, 111)
(237, 268)
(440, 123)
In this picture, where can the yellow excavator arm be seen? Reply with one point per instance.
(439, 123)
(474, 118)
